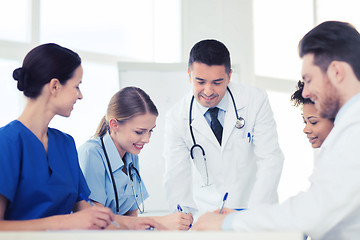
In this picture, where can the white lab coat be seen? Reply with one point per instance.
(247, 168)
(330, 209)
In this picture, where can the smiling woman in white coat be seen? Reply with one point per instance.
(236, 152)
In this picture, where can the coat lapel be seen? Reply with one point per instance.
(201, 126)
(229, 122)
(230, 116)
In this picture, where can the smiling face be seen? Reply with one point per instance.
(68, 94)
(319, 89)
(133, 134)
(208, 83)
(316, 128)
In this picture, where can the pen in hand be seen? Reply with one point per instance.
(223, 203)
(180, 210)
(88, 200)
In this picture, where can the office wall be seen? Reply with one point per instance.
(229, 21)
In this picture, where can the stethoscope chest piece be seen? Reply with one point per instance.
(240, 123)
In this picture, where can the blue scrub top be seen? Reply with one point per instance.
(38, 184)
(94, 166)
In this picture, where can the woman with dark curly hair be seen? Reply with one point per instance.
(316, 127)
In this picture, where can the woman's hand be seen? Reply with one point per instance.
(87, 217)
(94, 217)
(176, 221)
(137, 223)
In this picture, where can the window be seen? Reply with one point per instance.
(10, 97)
(14, 20)
(103, 33)
(347, 10)
(139, 30)
(278, 27)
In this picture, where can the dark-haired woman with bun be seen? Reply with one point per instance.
(41, 183)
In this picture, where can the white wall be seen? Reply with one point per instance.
(228, 21)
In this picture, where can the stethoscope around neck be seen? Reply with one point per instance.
(240, 123)
(140, 205)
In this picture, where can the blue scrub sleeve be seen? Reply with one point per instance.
(94, 170)
(10, 164)
(82, 185)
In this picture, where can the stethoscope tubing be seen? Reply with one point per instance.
(240, 123)
(191, 129)
(131, 166)
(141, 210)
(111, 176)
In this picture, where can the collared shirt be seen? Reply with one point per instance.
(330, 208)
(346, 106)
(96, 171)
(223, 105)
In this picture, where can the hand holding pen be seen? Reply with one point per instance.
(223, 203)
(88, 200)
(180, 210)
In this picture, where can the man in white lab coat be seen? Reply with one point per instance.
(330, 209)
(233, 126)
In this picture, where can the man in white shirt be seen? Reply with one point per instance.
(330, 209)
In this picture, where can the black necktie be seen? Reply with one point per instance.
(215, 124)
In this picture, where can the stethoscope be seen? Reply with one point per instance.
(240, 123)
(131, 170)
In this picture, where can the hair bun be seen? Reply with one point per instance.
(20, 76)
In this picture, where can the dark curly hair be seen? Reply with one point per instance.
(297, 98)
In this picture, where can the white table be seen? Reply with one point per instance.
(149, 235)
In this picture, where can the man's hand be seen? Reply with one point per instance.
(209, 221)
(176, 221)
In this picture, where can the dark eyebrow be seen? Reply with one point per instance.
(312, 117)
(216, 80)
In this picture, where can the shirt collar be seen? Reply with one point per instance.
(346, 106)
(223, 104)
(113, 154)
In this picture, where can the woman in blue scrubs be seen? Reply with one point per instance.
(40, 179)
(110, 163)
